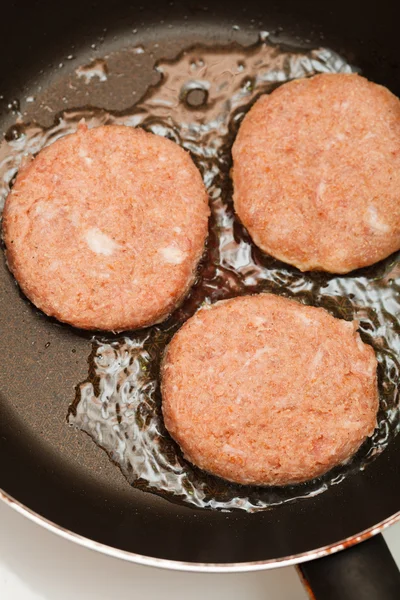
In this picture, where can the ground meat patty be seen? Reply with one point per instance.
(104, 228)
(263, 390)
(317, 173)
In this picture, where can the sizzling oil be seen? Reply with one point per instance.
(199, 103)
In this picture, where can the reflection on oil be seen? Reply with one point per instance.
(97, 69)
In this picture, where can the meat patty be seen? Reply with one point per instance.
(266, 391)
(105, 227)
(317, 173)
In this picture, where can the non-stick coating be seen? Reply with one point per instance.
(49, 467)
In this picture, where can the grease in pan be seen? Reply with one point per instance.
(121, 400)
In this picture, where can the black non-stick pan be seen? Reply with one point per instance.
(53, 472)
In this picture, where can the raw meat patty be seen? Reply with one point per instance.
(104, 228)
(317, 173)
(263, 390)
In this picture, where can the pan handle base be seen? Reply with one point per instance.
(366, 571)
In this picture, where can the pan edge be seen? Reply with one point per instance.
(176, 565)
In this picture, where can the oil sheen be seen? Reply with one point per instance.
(199, 103)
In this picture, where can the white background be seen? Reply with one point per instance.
(38, 565)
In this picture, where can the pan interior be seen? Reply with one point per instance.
(56, 470)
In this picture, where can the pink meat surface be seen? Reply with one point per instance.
(317, 173)
(263, 390)
(104, 228)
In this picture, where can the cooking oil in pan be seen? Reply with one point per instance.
(199, 103)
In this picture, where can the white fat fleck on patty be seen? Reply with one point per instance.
(259, 321)
(257, 355)
(375, 221)
(99, 242)
(83, 154)
(305, 319)
(315, 363)
(172, 255)
(321, 189)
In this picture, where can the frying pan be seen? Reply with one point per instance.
(54, 474)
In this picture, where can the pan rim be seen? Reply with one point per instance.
(175, 565)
